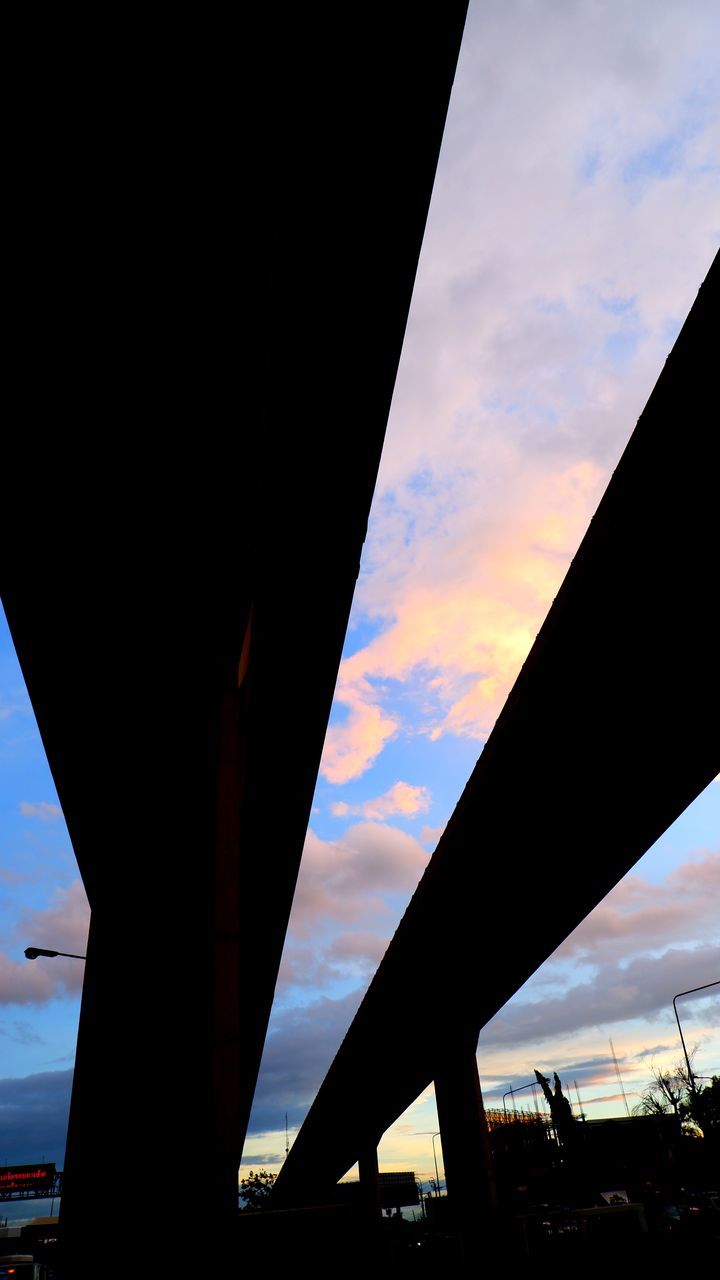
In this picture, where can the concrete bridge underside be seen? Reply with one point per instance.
(218, 230)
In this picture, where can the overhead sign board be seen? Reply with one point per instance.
(398, 1190)
(27, 1177)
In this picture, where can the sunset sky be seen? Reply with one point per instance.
(576, 211)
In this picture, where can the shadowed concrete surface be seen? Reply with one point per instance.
(219, 233)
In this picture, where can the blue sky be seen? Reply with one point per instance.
(574, 216)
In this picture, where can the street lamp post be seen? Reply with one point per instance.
(690, 992)
(437, 1175)
(518, 1089)
(32, 953)
(423, 1133)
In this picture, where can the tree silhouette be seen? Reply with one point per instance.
(664, 1095)
(689, 1100)
(255, 1189)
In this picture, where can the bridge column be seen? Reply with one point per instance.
(370, 1183)
(466, 1153)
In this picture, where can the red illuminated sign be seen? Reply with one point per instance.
(27, 1177)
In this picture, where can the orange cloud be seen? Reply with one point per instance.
(402, 798)
(352, 746)
(463, 614)
(431, 835)
(344, 880)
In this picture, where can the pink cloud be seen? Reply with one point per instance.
(402, 798)
(366, 948)
(644, 988)
(462, 623)
(345, 909)
(63, 926)
(22, 982)
(42, 809)
(352, 746)
(639, 915)
(642, 944)
(431, 835)
(344, 880)
(351, 955)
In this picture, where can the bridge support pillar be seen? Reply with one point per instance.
(370, 1183)
(467, 1157)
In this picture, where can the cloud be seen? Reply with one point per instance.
(616, 976)
(349, 898)
(572, 221)
(349, 748)
(644, 988)
(461, 625)
(638, 914)
(299, 1048)
(587, 1073)
(345, 880)
(34, 1116)
(41, 809)
(634, 946)
(24, 982)
(61, 927)
(261, 1160)
(350, 956)
(363, 950)
(431, 835)
(654, 1050)
(402, 798)
(8, 875)
(21, 1032)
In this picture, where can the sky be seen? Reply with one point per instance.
(575, 213)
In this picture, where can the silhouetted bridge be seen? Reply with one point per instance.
(213, 373)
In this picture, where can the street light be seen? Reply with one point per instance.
(690, 992)
(426, 1133)
(437, 1175)
(518, 1089)
(32, 953)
